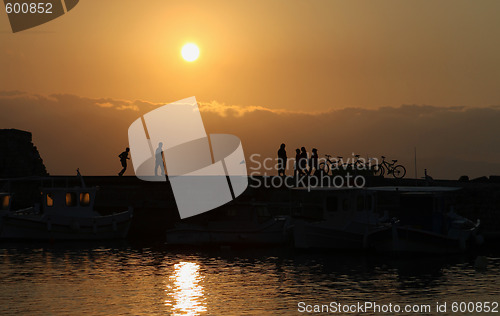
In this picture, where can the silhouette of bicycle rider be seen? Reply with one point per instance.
(159, 160)
(123, 159)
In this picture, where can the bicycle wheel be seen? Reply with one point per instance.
(324, 168)
(378, 170)
(399, 172)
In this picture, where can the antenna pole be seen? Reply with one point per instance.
(415, 151)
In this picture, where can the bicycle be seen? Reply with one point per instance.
(330, 165)
(397, 171)
(362, 166)
(359, 164)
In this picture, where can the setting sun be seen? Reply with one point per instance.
(190, 52)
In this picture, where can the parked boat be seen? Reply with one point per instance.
(62, 214)
(335, 218)
(236, 224)
(425, 222)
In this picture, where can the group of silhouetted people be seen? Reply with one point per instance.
(304, 165)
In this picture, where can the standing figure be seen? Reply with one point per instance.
(313, 162)
(298, 156)
(303, 160)
(159, 160)
(282, 160)
(123, 159)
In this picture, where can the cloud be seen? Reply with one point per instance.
(231, 110)
(105, 105)
(11, 93)
(128, 107)
(73, 131)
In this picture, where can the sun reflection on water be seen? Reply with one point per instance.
(185, 289)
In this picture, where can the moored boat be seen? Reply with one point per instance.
(237, 225)
(335, 218)
(426, 222)
(64, 214)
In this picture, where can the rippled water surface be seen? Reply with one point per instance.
(134, 280)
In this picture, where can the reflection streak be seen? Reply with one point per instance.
(187, 292)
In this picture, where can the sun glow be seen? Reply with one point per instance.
(190, 52)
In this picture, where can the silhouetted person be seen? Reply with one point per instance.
(298, 169)
(159, 160)
(313, 162)
(123, 159)
(303, 159)
(282, 160)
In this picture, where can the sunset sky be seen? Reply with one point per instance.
(371, 77)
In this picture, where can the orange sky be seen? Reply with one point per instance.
(297, 55)
(337, 71)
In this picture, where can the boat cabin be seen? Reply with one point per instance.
(325, 203)
(419, 207)
(77, 201)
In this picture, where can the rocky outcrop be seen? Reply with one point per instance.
(18, 156)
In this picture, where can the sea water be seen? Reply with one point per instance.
(122, 279)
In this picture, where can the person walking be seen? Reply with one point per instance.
(159, 160)
(123, 159)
